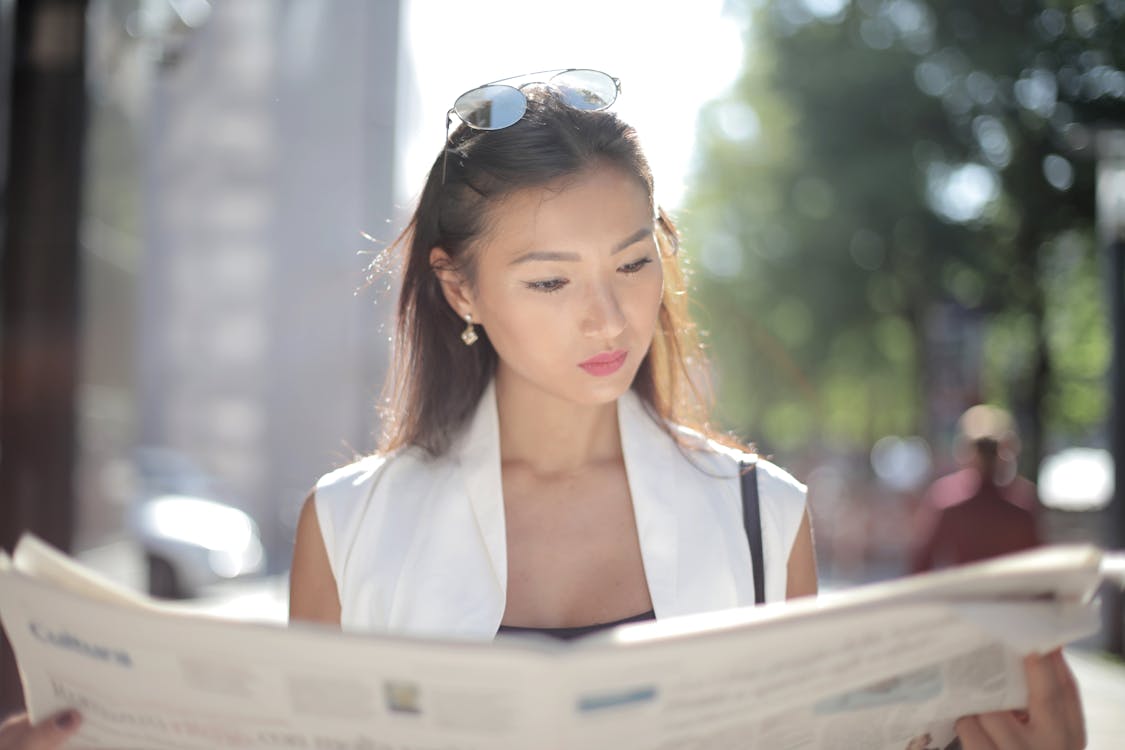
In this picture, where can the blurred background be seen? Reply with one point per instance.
(892, 210)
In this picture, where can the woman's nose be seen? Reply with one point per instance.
(603, 317)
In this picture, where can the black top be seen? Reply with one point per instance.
(567, 634)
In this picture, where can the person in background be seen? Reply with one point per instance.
(984, 510)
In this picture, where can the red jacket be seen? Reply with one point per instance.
(964, 519)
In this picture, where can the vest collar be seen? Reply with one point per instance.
(679, 511)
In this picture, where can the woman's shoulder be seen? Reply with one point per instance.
(357, 472)
(780, 482)
(345, 495)
(345, 490)
(782, 499)
(713, 456)
(365, 469)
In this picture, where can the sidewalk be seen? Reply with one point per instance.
(1102, 685)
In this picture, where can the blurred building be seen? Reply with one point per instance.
(223, 319)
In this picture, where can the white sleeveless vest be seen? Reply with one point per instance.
(418, 546)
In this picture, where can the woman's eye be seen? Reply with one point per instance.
(550, 285)
(636, 265)
(555, 285)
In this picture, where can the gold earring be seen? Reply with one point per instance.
(469, 335)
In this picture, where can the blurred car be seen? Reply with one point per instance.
(191, 538)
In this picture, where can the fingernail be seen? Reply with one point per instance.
(66, 720)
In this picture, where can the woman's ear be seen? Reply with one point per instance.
(453, 284)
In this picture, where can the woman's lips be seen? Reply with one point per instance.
(606, 363)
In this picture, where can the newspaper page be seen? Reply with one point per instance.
(870, 678)
(145, 678)
(881, 667)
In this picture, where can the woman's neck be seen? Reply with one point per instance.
(551, 435)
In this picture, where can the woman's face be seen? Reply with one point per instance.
(569, 284)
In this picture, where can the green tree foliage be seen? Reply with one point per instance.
(891, 183)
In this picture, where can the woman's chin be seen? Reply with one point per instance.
(602, 390)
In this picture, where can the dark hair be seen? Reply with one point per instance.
(988, 453)
(436, 381)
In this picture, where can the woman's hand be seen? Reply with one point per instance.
(1053, 720)
(18, 733)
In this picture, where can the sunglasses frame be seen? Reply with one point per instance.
(502, 81)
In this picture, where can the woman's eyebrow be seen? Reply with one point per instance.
(632, 239)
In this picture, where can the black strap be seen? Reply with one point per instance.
(752, 522)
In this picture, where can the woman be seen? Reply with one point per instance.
(546, 461)
(534, 471)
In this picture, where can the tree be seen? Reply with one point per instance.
(889, 182)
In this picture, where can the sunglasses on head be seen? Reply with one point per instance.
(501, 104)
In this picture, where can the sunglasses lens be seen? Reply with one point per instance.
(491, 107)
(586, 89)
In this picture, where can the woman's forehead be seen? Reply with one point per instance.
(598, 206)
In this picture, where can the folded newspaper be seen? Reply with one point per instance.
(888, 665)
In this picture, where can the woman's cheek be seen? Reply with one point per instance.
(656, 297)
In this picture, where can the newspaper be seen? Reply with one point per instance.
(883, 666)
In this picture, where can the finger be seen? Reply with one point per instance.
(53, 732)
(972, 735)
(14, 730)
(1071, 700)
(1043, 688)
(1002, 728)
(14, 721)
(1062, 667)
